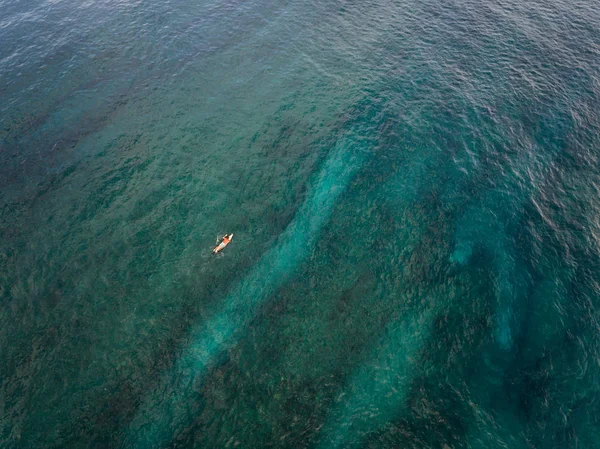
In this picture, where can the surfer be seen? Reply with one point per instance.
(224, 242)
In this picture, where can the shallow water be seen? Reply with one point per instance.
(413, 189)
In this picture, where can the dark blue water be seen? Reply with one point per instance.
(413, 188)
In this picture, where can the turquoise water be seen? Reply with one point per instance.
(413, 189)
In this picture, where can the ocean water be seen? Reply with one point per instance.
(414, 193)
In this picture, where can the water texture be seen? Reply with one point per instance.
(413, 188)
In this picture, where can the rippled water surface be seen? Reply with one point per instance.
(414, 192)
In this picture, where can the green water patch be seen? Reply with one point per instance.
(274, 268)
(123, 243)
(323, 333)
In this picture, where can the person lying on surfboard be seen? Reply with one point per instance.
(224, 242)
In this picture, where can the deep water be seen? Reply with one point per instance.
(413, 189)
